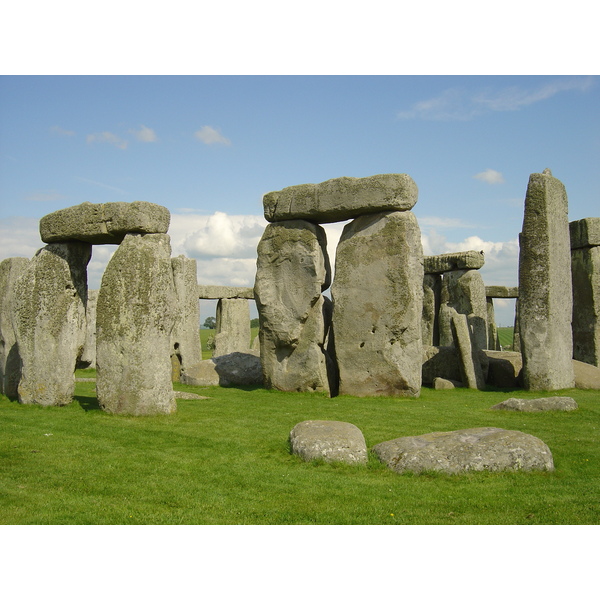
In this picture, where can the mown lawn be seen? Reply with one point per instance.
(226, 460)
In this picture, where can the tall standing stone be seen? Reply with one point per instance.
(232, 333)
(10, 359)
(430, 327)
(545, 292)
(378, 302)
(87, 360)
(134, 320)
(493, 340)
(49, 321)
(292, 271)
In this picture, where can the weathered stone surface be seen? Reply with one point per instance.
(504, 369)
(439, 383)
(378, 305)
(478, 449)
(440, 361)
(454, 261)
(585, 232)
(585, 276)
(216, 292)
(134, 320)
(188, 396)
(470, 365)
(292, 271)
(233, 326)
(545, 292)
(501, 291)
(185, 336)
(49, 322)
(87, 360)
(587, 377)
(10, 359)
(342, 198)
(492, 330)
(430, 326)
(330, 441)
(562, 403)
(229, 370)
(104, 223)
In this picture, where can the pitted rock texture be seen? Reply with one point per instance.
(330, 441)
(477, 449)
(585, 233)
(454, 261)
(342, 198)
(104, 223)
(562, 403)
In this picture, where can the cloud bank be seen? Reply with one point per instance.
(209, 135)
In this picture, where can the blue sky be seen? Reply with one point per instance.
(209, 147)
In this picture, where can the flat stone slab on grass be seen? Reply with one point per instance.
(465, 450)
(331, 441)
(228, 370)
(188, 396)
(537, 404)
(587, 377)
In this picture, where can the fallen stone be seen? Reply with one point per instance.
(562, 403)
(188, 396)
(229, 370)
(587, 377)
(454, 261)
(103, 223)
(440, 361)
(585, 233)
(341, 199)
(465, 450)
(439, 383)
(330, 441)
(504, 369)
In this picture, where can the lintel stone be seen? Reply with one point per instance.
(585, 232)
(455, 261)
(501, 291)
(218, 292)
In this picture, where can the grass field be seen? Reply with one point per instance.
(226, 460)
(505, 335)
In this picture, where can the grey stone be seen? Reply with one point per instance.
(188, 396)
(440, 361)
(504, 369)
(87, 360)
(471, 371)
(587, 377)
(501, 291)
(439, 383)
(585, 276)
(454, 261)
(585, 233)
(341, 199)
(229, 370)
(104, 223)
(378, 305)
(492, 330)
(49, 322)
(430, 326)
(135, 317)
(330, 441)
(292, 271)
(465, 450)
(185, 336)
(10, 359)
(545, 289)
(562, 403)
(232, 333)
(216, 292)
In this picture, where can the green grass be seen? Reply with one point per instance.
(226, 460)
(505, 335)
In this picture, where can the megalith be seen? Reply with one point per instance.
(10, 359)
(232, 333)
(87, 360)
(292, 270)
(49, 322)
(585, 272)
(134, 320)
(378, 302)
(545, 288)
(430, 325)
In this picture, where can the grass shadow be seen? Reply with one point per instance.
(87, 402)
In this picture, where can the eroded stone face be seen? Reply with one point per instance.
(342, 198)
(233, 326)
(378, 303)
(134, 319)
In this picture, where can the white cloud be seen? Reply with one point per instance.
(209, 135)
(20, 237)
(444, 222)
(60, 131)
(490, 176)
(107, 137)
(144, 134)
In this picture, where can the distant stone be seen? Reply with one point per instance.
(471, 371)
(439, 383)
(216, 292)
(330, 441)
(455, 261)
(341, 199)
(585, 233)
(229, 370)
(537, 404)
(104, 223)
(232, 333)
(430, 327)
(87, 360)
(188, 396)
(501, 291)
(465, 450)
(504, 369)
(587, 377)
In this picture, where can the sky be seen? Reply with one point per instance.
(209, 147)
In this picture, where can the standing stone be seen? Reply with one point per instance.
(545, 292)
(430, 326)
(10, 359)
(134, 320)
(292, 271)
(87, 359)
(585, 271)
(49, 321)
(185, 337)
(378, 304)
(470, 362)
(493, 341)
(233, 326)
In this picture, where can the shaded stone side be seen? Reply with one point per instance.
(585, 232)
(378, 305)
(545, 289)
(185, 337)
(342, 198)
(87, 360)
(135, 317)
(430, 325)
(10, 359)
(292, 270)
(454, 261)
(233, 326)
(49, 322)
(493, 341)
